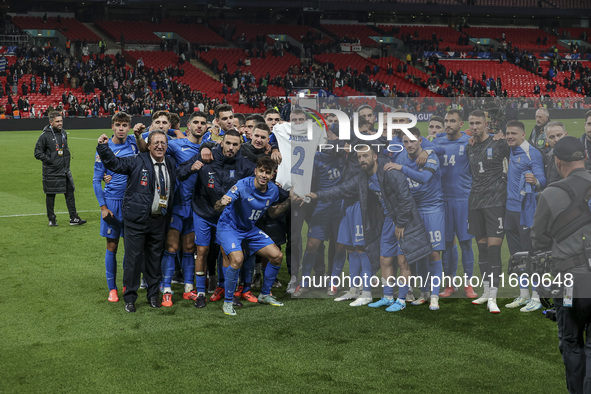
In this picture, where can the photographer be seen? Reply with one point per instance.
(562, 222)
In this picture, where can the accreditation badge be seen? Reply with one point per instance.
(162, 202)
(60, 152)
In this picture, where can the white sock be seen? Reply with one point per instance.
(535, 295)
(524, 293)
(389, 297)
(189, 287)
(167, 290)
(493, 293)
(366, 294)
(486, 286)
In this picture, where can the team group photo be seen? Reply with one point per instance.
(305, 198)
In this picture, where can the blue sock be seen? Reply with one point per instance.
(447, 257)
(423, 271)
(111, 269)
(221, 272)
(388, 290)
(454, 259)
(524, 281)
(307, 264)
(339, 263)
(167, 268)
(467, 257)
(271, 272)
(436, 270)
(248, 269)
(402, 292)
(200, 283)
(231, 276)
(354, 268)
(188, 264)
(365, 271)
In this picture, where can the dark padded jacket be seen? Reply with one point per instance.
(416, 243)
(214, 180)
(56, 168)
(138, 197)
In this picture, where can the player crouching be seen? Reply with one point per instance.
(237, 234)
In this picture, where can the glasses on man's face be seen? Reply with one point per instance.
(156, 143)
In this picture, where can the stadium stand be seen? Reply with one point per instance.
(516, 81)
(353, 32)
(69, 27)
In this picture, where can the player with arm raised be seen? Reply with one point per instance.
(111, 198)
(213, 180)
(237, 234)
(182, 219)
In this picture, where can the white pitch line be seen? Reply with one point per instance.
(38, 214)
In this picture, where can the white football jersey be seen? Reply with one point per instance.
(297, 152)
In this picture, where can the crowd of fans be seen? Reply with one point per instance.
(110, 85)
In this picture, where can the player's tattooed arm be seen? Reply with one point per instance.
(222, 203)
(278, 209)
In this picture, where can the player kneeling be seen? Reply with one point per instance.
(237, 234)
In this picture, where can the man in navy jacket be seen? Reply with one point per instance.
(147, 207)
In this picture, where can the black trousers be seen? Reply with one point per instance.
(70, 201)
(144, 245)
(575, 343)
(518, 237)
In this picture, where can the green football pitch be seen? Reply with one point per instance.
(59, 333)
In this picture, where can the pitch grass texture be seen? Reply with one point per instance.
(59, 333)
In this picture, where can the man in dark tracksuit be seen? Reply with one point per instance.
(53, 150)
(213, 181)
(562, 222)
(394, 198)
(147, 209)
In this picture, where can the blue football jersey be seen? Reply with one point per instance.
(426, 193)
(374, 186)
(456, 179)
(327, 170)
(182, 150)
(116, 187)
(248, 204)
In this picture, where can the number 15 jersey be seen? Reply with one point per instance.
(248, 204)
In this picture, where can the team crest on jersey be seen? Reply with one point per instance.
(462, 148)
(232, 173)
(144, 180)
(233, 189)
(97, 158)
(489, 153)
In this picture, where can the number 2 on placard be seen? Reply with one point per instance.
(298, 150)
